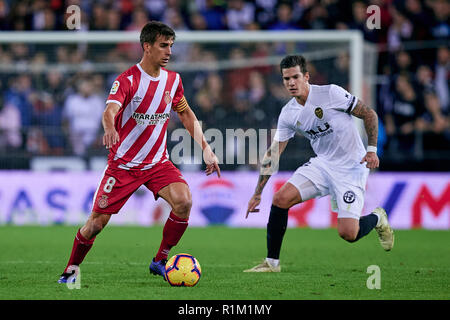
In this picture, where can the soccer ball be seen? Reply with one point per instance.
(183, 270)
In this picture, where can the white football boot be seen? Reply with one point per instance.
(265, 266)
(384, 230)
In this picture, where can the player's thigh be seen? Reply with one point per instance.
(287, 196)
(115, 188)
(297, 189)
(178, 195)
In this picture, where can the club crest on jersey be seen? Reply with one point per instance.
(103, 201)
(115, 87)
(167, 98)
(319, 112)
(349, 197)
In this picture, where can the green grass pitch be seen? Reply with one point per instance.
(316, 264)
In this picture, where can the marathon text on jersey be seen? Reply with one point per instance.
(150, 119)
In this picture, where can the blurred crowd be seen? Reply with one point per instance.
(57, 111)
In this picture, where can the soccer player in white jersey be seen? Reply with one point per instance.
(323, 114)
(135, 122)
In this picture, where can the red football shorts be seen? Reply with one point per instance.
(117, 185)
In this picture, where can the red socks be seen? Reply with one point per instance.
(172, 233)
(81, 247)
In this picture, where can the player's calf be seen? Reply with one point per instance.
(94, 225)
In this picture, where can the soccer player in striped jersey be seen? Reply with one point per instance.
(135, 123)
(323, 114)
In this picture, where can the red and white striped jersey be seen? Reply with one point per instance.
(145, 104)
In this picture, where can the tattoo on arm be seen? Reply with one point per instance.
(370, 119)
(268, 166)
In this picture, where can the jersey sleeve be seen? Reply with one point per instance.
(284, 131)
(119, 91)
(341, 99)
(179, 102)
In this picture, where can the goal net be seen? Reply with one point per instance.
(231, 80)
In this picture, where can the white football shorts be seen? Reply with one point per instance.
(346, 187)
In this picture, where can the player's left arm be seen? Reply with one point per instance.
(370, 118)
(192, 125)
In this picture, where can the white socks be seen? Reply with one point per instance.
(273, 262)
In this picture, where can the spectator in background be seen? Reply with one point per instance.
(197, 22)
(341, 71)
(213, 15)
(434, 124)
(43, 18)
(98, 17)
(18, 94)
(4, 13)
(400, 30)
(174, 18)
(442, 77)
(20, 18)
(265, 12)
(10, 126)
(284, 19)
(133, 51)
(83, 113)
(54, 83)
(424, 80)
(239, 14)
(403, 63)
(237, 78)
(359, 21)
(156, 8)
(257, 93)
(113, 20)
(314, 17)
(420, 18)
(440, 28)
(400, 122)
(47, 138)
(207, 110)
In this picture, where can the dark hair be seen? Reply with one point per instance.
(293, 61)
(153, 29)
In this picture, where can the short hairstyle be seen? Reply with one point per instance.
(153, 29)
(293, 61)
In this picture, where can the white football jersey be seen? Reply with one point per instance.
(326, 121)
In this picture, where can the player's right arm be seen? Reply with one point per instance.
(269, 166)
(111, 136)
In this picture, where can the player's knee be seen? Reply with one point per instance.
(281, 200)
(348, 235)
(182, 207)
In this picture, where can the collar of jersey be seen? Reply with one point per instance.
(147, 75)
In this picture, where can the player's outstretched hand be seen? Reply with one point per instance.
(252, 204)
(372, 160)
(212, 163)
(110, 138)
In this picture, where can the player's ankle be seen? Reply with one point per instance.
(273, 262)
